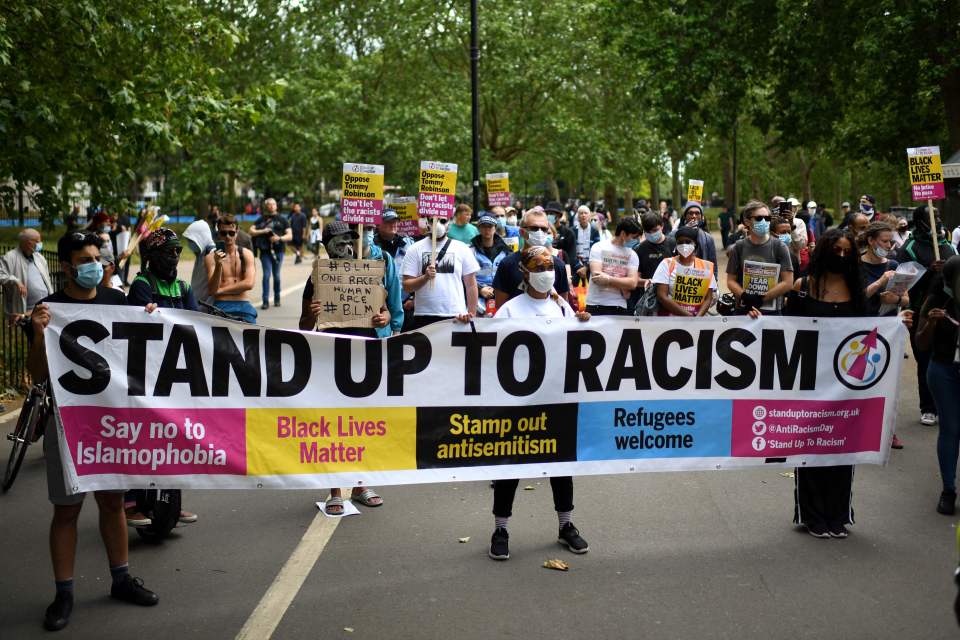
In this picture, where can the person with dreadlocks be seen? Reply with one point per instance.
(157, 283)
(539, 299)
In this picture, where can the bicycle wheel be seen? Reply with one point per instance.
(21, 437)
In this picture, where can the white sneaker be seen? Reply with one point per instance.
(928, 419)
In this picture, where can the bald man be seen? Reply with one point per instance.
(24, 276)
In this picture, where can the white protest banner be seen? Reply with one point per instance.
(408, 220)
(695, 191)
(362, 199)
(180, 399)
(351, 291)
(498, 189)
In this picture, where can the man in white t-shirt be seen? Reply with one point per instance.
(446, 289)
(613, 271)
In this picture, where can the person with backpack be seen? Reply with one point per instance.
(759, 268)
(685, 283)
(919, 248)
(157, 283)
(270, 232)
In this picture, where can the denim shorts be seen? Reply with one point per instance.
(238, 309)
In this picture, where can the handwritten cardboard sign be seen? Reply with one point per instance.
(351, 292)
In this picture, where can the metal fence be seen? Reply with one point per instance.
(13, 339)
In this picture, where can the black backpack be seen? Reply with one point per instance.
(162, 506)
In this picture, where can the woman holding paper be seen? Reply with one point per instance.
(539, 299)
(685, 283)
(878, 269)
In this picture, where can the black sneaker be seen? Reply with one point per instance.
(58, 613)
(570, 537)
(276, 303)
(265, 305)
(948, 503)
(838, 531)
(818, 531)
(131, 590)
(500, 544)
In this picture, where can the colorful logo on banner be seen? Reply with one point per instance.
(862, 359)
(438, 186)
(498, 189)
(408, 222)
(362, 201)
(695, 191)
(926, 173)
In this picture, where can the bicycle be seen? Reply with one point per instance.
(29, 429)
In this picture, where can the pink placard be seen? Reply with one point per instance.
(356, 211)
(779, 428)
(156, 441)
(931, 191)
(498, 199)
(435, 205)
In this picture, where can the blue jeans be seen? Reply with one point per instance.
(238, 309)
(271, 262)
(944, 381)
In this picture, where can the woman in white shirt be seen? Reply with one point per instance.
(538, 300)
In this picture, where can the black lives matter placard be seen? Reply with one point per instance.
(351, 292)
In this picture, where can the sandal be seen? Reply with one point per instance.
(368, 498)
(334, 506)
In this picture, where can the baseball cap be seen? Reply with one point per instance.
(389, 215)
(486, 218)
(553, 207)
(845, 204)
(811, 205)
(336, 228)
(793, 202)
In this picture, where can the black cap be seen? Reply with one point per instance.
(337, 228)
(553, 207)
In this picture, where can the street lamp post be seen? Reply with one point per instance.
(474, 61)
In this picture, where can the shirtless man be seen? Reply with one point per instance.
(230, 272)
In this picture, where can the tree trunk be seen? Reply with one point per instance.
(807, 170)
(610, 200)
(231, 191)
(728, 176)
(654, 178)
(675, 178)
(552, 189)
(950, 88)
(628, 202)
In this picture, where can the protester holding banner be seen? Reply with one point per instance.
(919, 248)
(79, 255)
(706, 247)
(539, 299)
(270, 231)
(654, 249)
(231, 271)
(535, 231)
(613, 271)
(157, 281)
(759, 268)
(685, 283)
(461, 228)
(937, 334)
(445, 284)
(489, 249)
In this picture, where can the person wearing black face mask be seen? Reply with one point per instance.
(157, 283)
(834, 289)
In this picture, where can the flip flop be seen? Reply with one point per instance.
(334, 506)
(368, 498)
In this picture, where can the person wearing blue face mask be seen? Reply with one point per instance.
(79, 255)
(656, 247)
(759, 268)
(782, 228)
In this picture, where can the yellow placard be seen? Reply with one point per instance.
(695, 191)
(926, 173)
(498, 182)
(301, 441)
(438, 177)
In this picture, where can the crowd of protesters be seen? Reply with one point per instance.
(549, 260)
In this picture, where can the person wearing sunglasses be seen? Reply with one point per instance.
(534, 231)
(230, 272)
(759, 268)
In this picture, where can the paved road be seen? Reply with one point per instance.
(673, 555)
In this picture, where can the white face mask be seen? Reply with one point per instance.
(537, 238)
(685, 249)
(880, 252)
(542, 282)
(512, 221)
(441, 229)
